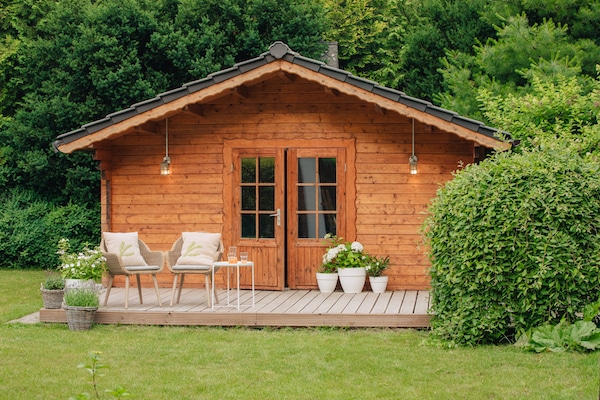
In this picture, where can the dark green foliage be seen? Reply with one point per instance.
(32, 228)
(515, 244)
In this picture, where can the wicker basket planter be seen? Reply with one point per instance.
(80, 318)
(52, 298)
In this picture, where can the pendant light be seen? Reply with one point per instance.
(164, 165)
(413, 160)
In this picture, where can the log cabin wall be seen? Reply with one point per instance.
(390, 203)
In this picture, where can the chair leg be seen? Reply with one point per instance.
(137, 278)
(180, 287)
(156, 288)
(126, 291)
(208, 294)
(173, 291)
(110, 282)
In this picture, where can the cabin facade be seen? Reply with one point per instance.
(274, 153)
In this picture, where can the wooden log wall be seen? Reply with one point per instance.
(391, 204)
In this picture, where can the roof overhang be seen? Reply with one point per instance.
(278, 60)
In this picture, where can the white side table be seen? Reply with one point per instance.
(237, 266)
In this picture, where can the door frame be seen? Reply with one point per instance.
(279, 147)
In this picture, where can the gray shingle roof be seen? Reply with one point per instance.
(280, 50)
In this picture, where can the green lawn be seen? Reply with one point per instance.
(40, 361)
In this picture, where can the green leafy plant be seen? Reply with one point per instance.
(82, 297)
(87, 264)
(93, 367)
(54, 282)
(376, 265)
(580, 336)
(342, 254)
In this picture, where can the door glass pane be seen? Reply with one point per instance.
(267, 170)
(266, 198)
(307, 172)
(317, 197)
(248, 198)
(248, 225)
(306, 198)
(266, 226)
(257, 188)
(307, 226)
(327, 199)
(248, 170)
(327, 170)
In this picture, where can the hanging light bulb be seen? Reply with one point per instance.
(413, 160)
(164, 165)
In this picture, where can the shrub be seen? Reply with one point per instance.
(514, 244)
(31, 227)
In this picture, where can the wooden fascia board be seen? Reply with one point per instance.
(400, 108)
(171, 108)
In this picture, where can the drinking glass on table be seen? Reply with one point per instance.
(232, 255)
(244, 257)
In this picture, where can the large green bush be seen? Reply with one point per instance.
(31, 229)
(514, 243)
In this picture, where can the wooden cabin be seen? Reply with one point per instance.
(274, 153)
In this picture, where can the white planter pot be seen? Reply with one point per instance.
(79, 283)
(327, 282)
(378, 283)
(352, 279)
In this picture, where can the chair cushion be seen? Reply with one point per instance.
(191, 267)
(133, 268)
(125, 245)
(199, 248)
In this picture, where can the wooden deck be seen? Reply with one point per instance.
(295, 308)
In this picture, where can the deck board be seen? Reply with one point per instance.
(398, 309)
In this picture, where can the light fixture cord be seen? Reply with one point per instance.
(413, 136)
(167, 138)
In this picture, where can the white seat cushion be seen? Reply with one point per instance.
(125, 245)
(142, 268)
(199, 248)
(193, 267)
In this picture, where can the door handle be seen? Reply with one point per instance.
(278, 215)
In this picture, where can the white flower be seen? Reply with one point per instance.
(357, 247)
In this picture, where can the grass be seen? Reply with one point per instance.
(40, 361)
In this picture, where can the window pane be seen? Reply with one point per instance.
(248, 226)
(327, 170)
(306, 198)
(267, 170)
(307, 171)
(248, 198)
(266, 198)
(307, 227)
(327, 199)
(327, 224)
(248, 170)
(267, 226)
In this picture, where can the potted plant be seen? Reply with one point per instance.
(375, 270)
(86, 265)
(53, 290)
(327, 276)
(81, 304)
(349, 259)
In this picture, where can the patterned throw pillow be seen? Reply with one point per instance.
(125, 245)
(199, 248)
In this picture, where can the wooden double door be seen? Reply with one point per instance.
(284, 199)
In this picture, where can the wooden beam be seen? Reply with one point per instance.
(147, 127)
(195, 109)
(241, 91)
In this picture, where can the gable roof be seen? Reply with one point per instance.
(279, 58)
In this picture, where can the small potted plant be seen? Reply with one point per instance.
(349, 259)
(81, 304)
(375, 270)
(77, 268)
(53, 290)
